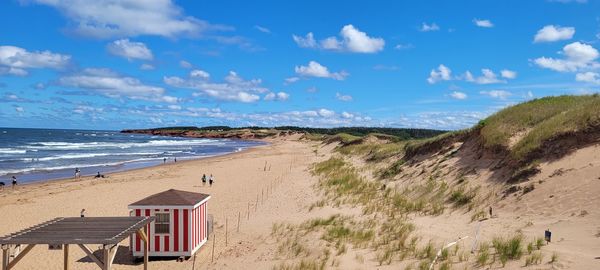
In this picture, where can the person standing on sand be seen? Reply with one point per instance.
(77, 173)
(82, 214)
(14, 181)
(175, 160)
(210, 180)
(203, 179)
(164, 160)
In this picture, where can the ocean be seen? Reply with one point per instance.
(34, 155)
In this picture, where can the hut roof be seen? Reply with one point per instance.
(76, 230)
(172, 197)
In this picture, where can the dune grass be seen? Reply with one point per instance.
(542, 119)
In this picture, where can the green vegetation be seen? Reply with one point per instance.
(508, 248)
(343, 138)
(535, 258)
(461, 197)
(540, 120)
(399, 133)
(484, 254)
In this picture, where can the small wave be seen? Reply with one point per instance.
(99, 145)
(12, 151)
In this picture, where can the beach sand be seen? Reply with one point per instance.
(284, 191)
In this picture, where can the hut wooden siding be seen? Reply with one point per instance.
(187, 223)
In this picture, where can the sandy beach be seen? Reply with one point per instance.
(283, 191)
(273, 184)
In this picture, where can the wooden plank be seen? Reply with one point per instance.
(113, 253)
(66, 257)
(20, 256)
(144, 232)
(91, 255)
(106, 257)
(5, 257)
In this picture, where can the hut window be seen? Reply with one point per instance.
(161, 224)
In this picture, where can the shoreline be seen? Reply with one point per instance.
(108, 174)
(42, 175)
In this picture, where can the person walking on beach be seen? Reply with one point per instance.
(203, 179)
(164, 160)
(210, 180)
(77, 173)
(175, 160)
(82, 214)
(14, 181)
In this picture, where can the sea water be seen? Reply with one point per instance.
(45, 154)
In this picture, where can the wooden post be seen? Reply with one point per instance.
(5, 257)
(66, 257)
(106, 257)
(145, 231)
(239, 214)
(15, 260)
(212, 256)
(225, 231)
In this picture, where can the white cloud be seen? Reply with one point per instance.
(16, 61)
(262, 29)
(443, 73)
(305, 42)
(280, 96)
(458, 95)
(342, 97)
(201, 74)
(130, 50)
(326, 113)
(499, 94)
(404, 46)
(429, 27)
(19, 109)
(185, 64)
(577, 56)
(291, 80)
(483, 23)
(347, 115)
(233, 87)
(109, 83)
(108, 18)
(314, 69)
(508, 74)
(529, 94)
(590, 77)
(146, 66)
(174, 107)
(352, 40)
(332, 43)
(551, 33)
(487, 77)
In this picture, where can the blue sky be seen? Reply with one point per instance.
(427, 64)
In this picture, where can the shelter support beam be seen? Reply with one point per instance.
(142, 233)
(66, 257)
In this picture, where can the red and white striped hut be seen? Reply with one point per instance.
(180, 227)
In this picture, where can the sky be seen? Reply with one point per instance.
(111, 64)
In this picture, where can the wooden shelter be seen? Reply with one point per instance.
(180, 224)
(81, 231)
